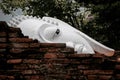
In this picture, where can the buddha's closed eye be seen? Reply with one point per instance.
(51, 33)
(57, 31)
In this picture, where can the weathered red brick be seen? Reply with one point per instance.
(50, 55)
(43, 49)
(3, 34)
(35, 77)
(56, 76)
(2, 40)
(53, 50)
(92, 72)
(3, 45)
(61, 61)
(35, 45)
(14, 50)
(118, 59)
(92, 77)
(31, 61)
(2, 50)
(68, 77)
(27, 77)
(20, 45)
(11, 29)
(1, 54)
(117, 66)
(5, 77)
(26, 66)
(20, 40)
(21, 67)
(91, 61)
(60, 55)
(82, 66)
(28, 72)
(14, 61)
(13, 35)
(34, 66)
(79, 55)
(104, 77)
(118, 76)
(59, 45)
(36, 55)
(75, 62)
(67, 50)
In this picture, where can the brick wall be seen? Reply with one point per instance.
(22, 58)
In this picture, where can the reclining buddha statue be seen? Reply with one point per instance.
(52, 30)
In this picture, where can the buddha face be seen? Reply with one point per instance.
(49, 33)
(51, 30)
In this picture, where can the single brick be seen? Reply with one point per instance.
(91, 61)
(29, 72)
(21, 66)
(35, 77)
(117, 76)
(14, 50)
(93, 72)
(34, 66)
(31, 61)
(3, 34)
(56, 76)
(3, 45)
(61, 61)
(2, 40)
(60, 55)
(13, 35)
(6, 77)
(20, 45)
(104, 77)
(92, 77)
(67, 77)
(82, 66)
(79, 55)
(35, 45)
(118, 59)
(54, 50)
(25, 40)
(59, 45)
(50, 55)
(66, 50)
(11, 29)
(34, 56)
(117, 66)
(2, 50)
(14, 61)
(43, 50)
(107, 72)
